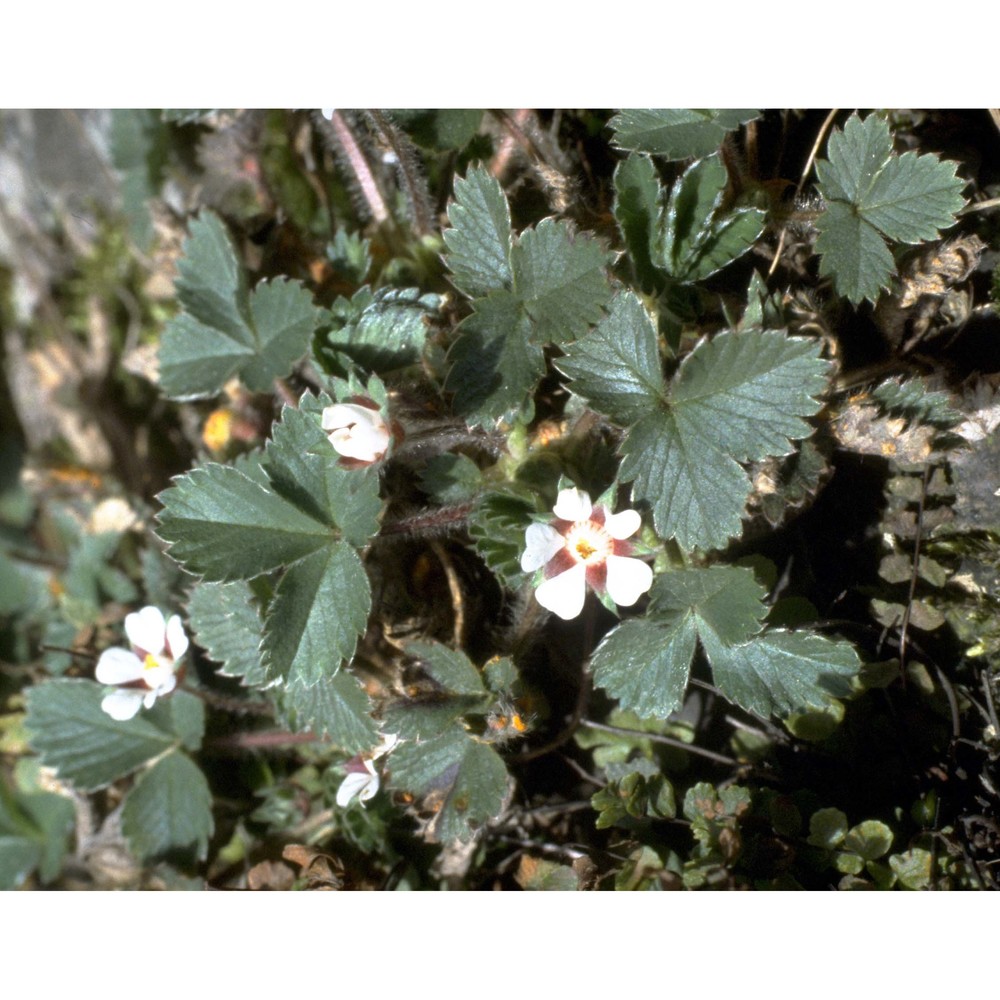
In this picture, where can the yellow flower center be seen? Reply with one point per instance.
(150, 663)
(589, 543)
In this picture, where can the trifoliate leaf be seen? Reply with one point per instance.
(637, 207)
(616, 367)
(697, 237)
(479, 241)
(873, 195)
(224, 526)
(71, 733)
(224, 331)
(319, 609)
(739, 397)
(227, 625)
(463, 780)
(380, 330)
(559, 276)
(336, 707)
(495, 365)
(170, 808)
(781, 672)
(676, 133)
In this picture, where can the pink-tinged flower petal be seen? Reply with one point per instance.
(573, 505)
(564, 594)
(623, 524)
(628, 579)
(541, 543)
(118, 666)
(147, 630)
(122, 704)
(160, 680)
(177, 641)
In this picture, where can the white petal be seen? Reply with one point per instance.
(368, 792)
(177, 641)
(624, 524)
(161, 679)
(628, 579)
(345, 414)
(541, 543)
(386, 745)
(147, 630)
(118, 666)
(573, 505)
(149, 699)
(354, 784)
(122, 704)
(564, 594)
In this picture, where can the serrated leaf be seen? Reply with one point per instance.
(182, 714)
(70, 732)
(451, 478)
(873, 195)
(223, 525)
(853, 253)
(728, 238)
(739, 397)
(497, 525)
(223, 330)
(637, 207)
(380, 331)
(227, 625)
(495, 366)
(559, 276)
(479, 242)
(302, 467)
(616, 367)
(34, 831)
(676, 133)
(645, 665)
(464, 780)
(336, 707)
(169, 808)
(781, 672)
(320, 608)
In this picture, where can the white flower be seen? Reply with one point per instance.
(362, 779)
(146, 671)
(357, 431)
(585, 545)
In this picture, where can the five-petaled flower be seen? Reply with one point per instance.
(149, 669)
(362, 779)
(357, 431)
(585, 544)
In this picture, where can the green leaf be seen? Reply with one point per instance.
(538, 875)
(559, 276)
(34, 833)
(645, 665)
(676, 133)
(497, 526)
(227, 625)
(616, 367)
(736, 398)
(873, 195)
(349, 254)
(638, 205)
(302, 467)
(334, 706)
(169, 808)
(223, 330)
(70, 732)
(182, 714)
(319, 609)
(440, 128)
(782, 672)
(870, 839)
(495, 366)
(380, 331)
(853, 254)
(467, 778)
(479, 242)
(451, 478)
(827, 828)
(451, 668)
(223, 525)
